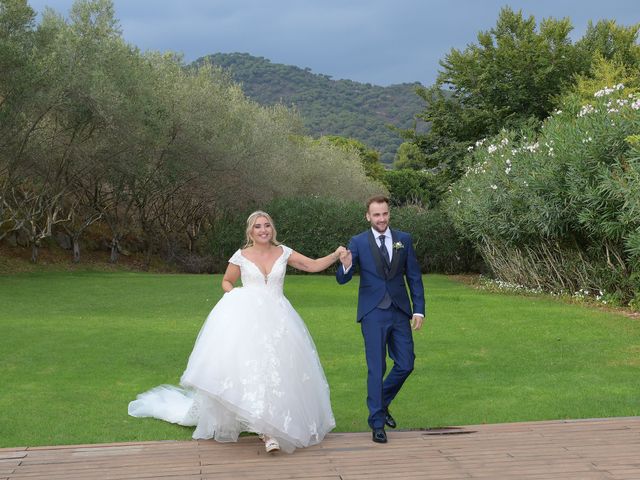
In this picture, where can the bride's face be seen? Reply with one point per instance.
(262, 232)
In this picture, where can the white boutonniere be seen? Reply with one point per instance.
(398, 245)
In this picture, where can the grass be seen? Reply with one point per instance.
(76, 347)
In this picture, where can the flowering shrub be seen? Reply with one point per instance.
(560, 211)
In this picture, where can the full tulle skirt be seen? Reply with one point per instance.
(254, 368)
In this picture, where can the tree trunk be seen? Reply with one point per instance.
(190, 242)
(34, 252)
(147, 257)
(114, 250)
(76, 249)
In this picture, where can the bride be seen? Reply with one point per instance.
(254, 366)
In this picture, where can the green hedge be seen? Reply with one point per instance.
(316, 226)
(440, 249)
(416, 187)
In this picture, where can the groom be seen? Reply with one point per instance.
(385, 258)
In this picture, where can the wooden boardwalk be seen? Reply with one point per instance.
(567, 450)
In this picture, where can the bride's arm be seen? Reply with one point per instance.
(231, 276)
(306, 264)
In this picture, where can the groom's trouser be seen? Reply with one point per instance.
(384, 329)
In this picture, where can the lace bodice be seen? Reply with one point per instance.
(252, 276)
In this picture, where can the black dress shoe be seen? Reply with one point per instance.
(379, 435)
(388, 419)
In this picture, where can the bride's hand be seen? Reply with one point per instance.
(340, 251)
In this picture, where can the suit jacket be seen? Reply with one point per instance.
(375, 279)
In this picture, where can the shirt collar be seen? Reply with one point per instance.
(376, 234)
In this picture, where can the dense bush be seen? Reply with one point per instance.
(438, 246)
(315, 226)
(560, 212)
(415, 187)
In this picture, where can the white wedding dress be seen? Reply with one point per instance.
(254, 368)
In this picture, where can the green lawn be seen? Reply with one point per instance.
(75, 348)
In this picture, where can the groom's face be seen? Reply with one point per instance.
(378, 216)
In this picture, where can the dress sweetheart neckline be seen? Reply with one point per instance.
(256, 265)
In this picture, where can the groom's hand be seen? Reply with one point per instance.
(345, 259)
(416, 322)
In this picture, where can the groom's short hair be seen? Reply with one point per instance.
(377, 199)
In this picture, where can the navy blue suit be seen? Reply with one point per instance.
(385, 327)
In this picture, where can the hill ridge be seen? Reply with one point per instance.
(328, 107)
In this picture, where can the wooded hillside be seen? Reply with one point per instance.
(329, 107)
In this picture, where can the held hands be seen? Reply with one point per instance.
(339, 252)
(345, 258)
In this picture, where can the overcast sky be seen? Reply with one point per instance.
(373, 41)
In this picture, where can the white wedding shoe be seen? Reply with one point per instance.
(270, 443)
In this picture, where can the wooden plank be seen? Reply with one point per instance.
(603, 449)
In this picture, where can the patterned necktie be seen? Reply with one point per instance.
(383, 250)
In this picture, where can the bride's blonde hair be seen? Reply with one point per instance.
(251, 221)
